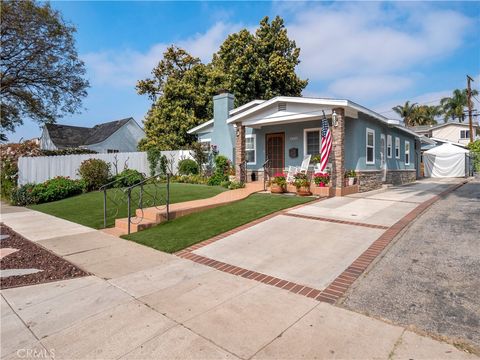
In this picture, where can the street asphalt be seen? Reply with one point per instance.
(430, 277)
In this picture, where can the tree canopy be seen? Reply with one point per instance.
(40, 73)
(251, 66)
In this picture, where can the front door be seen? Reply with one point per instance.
(275, 152)
(383, 162)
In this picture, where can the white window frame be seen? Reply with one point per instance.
(254, 137)
(367, 132)
(305, 147)
(407, 152)
(389, 147)
(397, 147)
(466, 134)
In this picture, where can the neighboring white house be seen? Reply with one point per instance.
(453, 132)
(111, 137)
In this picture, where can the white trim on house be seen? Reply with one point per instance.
(407, 152)
(305, 131)
(397, 147)
(367, 132)
(254, 137)
(200, 127)
(245, 107)
(389, 147)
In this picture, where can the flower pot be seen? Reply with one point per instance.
(351, 181)
(303, 191)
(276, 189)
(321, 184)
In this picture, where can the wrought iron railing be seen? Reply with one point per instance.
(150, 192)
(266, 173)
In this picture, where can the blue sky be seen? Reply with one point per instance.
(377, 54)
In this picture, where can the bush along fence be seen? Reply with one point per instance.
(38, 169)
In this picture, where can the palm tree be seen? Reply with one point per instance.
(425, 115)
(406, 111)
(454, 107)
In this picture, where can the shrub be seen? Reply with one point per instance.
(189, 179)
(8, 179)
(128, 177)
(222, 167)
(94, 172)
(187, 167)
(51, 190)
(225, 184)
(236, 185)
(153, 157)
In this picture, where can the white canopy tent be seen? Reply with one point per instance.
(446, 160)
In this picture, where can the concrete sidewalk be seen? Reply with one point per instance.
(141, 304)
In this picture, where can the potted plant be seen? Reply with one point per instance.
(321, 179)
(231, 174)
(279, 183)
(302, 184)
(350, 176)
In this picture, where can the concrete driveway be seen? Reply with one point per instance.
(140, 303)
(315, 243)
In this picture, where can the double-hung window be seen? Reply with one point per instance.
(251, 149)
(311, 140)
(464, 134)
(407, 152)
(370, 146)
(389, 146)
(397, 148)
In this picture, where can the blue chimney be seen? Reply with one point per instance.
(223, 135)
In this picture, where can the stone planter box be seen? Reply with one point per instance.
(326, 191)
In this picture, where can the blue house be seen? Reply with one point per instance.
(285, 129)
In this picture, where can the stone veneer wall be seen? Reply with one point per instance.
(399, 177)
(369, 180)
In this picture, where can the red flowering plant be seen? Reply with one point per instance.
(280, 179)
(321, 178)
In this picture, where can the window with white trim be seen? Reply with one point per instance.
(251, 148)
(311, 141)
(407, 152)
(397, 148)
(370, 151)
(464, 134)
(389, 146)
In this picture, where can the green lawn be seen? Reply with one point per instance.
(87, 209)
(188, 230)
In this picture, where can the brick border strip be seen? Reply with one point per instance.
(333, 292)
(253, 275)
(336, 221)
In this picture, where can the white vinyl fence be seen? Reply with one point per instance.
(34, 170)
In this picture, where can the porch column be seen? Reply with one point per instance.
(338, 152)
(239, 152)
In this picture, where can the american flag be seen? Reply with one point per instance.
(326, 144)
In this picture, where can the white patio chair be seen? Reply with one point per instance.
(292, 170)
(305, 164)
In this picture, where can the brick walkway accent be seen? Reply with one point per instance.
(319, 218)
(333, 292)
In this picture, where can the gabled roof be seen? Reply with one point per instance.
(67, 136)
(200, 127)
(422, 128)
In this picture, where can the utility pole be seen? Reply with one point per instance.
(469, 99)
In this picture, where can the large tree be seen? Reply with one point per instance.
(454, 106)
(406, 112)
(260, 65)
(40, 73)
(181, 91)
(251, 66)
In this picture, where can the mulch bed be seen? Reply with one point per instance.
(31, 255)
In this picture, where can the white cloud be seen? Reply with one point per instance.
(361, 88)
(124, 68)
(368, 38)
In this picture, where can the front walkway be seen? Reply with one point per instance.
(140, 303)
